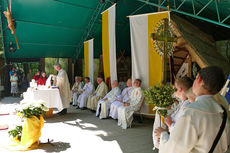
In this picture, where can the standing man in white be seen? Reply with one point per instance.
(124, 97)
(103, 105)
(62, 82)
(197, 129)
(125, 112)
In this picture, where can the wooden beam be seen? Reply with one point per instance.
(200, 61)
(177, 57)
(190, 66)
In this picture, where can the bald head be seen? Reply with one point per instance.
(115, 84)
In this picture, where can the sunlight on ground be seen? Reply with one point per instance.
(69, 136)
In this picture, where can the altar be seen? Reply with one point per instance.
(50, 96)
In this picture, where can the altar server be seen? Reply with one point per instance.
(196, 130)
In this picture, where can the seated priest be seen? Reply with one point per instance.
(124, 97)
(103, 105)
(85, 93)
(125, 112)
(77, 87)
(42, 79)
(100, 92)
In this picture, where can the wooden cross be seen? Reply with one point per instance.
(9, 18)
(165, 38)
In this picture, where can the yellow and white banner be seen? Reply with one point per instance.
(109, 43)
(88, 58)
(146, 63)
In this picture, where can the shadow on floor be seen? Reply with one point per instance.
(54, 146)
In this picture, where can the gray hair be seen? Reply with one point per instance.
(57, 65)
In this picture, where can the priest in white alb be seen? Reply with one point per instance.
(124, 97)
(103, 105)
(125, 112)
(100, 92)
(85, 93)
(197, 129)
(62, 82)
(76, 89)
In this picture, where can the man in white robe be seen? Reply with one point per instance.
(62, 82)
(124, 97)
(100, 92)
(196, 130)
(103, 105)
(85, 93)
(182, 85)
(125, 112)
(76, 89)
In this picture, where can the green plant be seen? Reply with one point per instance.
(16, 133)
(160, 96)
(32, 109)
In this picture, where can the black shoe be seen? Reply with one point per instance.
(63, 112)
(71, 103)
(74, 105)
(77, 107)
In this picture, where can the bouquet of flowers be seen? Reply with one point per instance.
(161, 97)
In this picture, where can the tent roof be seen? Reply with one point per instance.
(56, 28)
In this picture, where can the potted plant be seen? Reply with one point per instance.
(31, 114)
(161, 97)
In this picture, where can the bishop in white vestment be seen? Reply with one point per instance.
(100, 92)
(85, 93)
(124, 97)
(62, 82)
(103, 105)
(125, 112)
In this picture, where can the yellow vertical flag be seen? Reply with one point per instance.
(146, 62)
(88, 59)
(109, 43)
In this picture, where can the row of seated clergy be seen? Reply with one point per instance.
(100, 92)
(103, 105)
(76, 89)
(85, 93)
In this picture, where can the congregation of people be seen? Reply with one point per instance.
(20, 81)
